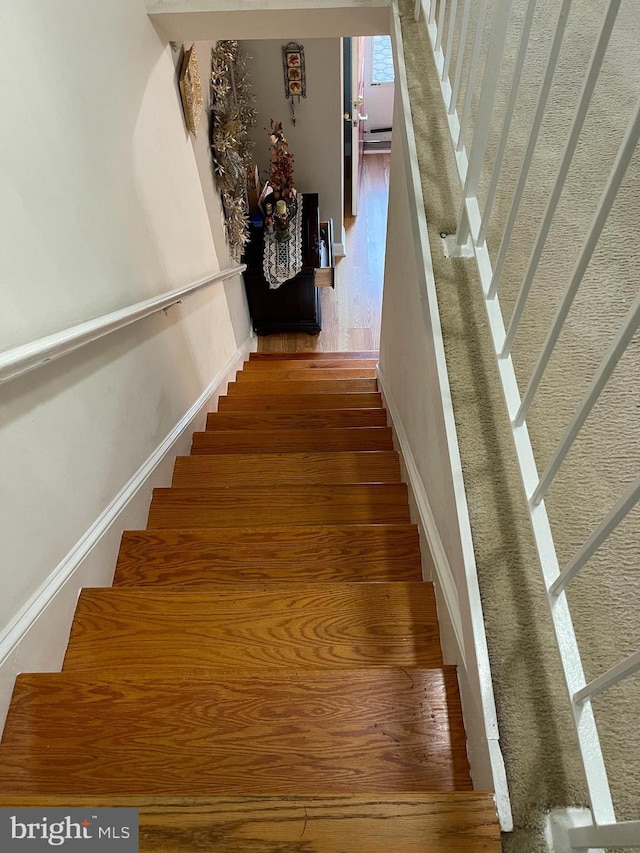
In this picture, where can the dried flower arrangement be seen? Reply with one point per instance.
(281, 167)
(232, 114)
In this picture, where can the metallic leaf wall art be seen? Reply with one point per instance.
(191, 90)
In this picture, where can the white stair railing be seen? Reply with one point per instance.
(605, 830)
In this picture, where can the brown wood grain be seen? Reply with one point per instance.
(254, 625)
(317, 419)
(268, 634)
(275, 387)
(311, 554)
(317, 355)
(299, 402)
(203, 470)
(294, 440)
(347, 732)
(294, 504)
(283, 363)
(285, 375)
(403, 823)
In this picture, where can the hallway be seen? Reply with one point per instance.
(351, 312)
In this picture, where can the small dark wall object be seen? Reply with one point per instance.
(295, 78)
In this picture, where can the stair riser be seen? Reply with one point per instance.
(206, 575)
(357, 824)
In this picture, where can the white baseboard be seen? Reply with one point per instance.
(340, 249)
(36, 639)
(483, 747)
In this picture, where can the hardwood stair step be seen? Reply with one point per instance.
(256, 554)
(275, 387)
(264, 645)
(291, 733)
(268, 366)
(299, 402)
(320, 356)
(291, 504)
(349, 466)
(328, 418)
(251, 626)
(285, 375)
(440, 822)
(292, 440)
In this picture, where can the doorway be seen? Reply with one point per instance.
(378, 88)
(369, 86)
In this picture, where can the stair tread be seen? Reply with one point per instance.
(275, 387)
(297, 732)
(299, 402)
(284, 374)
(346, 466)
(215, 667)
(352, 823)
(335, 418)
(322, 439)
(235, 506)
(313, 554)
(246, 625)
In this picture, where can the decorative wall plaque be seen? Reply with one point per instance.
(232, 114)
(295, 80)
(191, 90)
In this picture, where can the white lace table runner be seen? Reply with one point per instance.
(283, 261)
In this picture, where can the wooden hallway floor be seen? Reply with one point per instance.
(351, 311)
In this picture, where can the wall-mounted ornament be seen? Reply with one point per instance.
(191, 90)
(232, 114)
(295, 79)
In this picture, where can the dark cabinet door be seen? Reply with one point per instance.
(295, 305)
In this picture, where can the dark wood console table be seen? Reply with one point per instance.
(295, 305)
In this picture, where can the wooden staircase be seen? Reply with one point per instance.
(266, 672)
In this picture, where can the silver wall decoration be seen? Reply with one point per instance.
(295, 79)
(232, 114)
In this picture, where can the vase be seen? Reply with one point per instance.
(286, 209)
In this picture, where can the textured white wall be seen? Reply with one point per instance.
(316, 140)
(408, 358)
(416, 390)
(101, 206)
